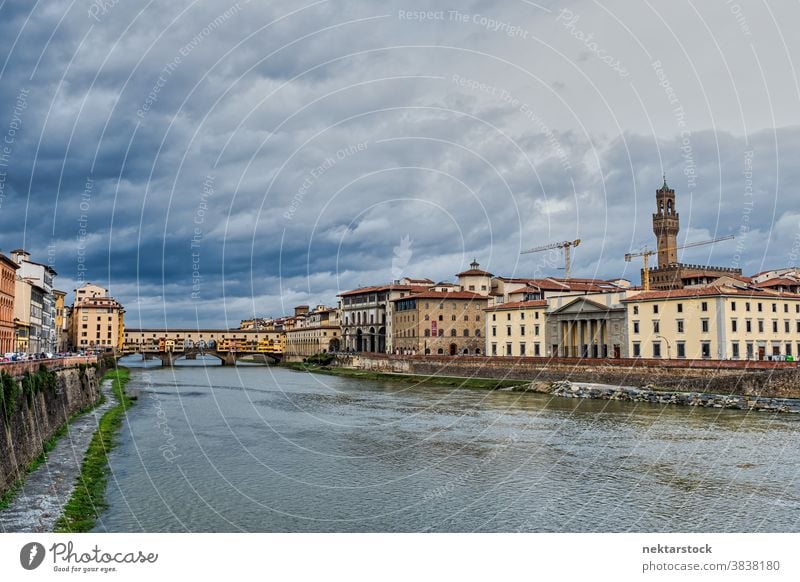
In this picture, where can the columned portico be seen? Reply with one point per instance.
(586, 329)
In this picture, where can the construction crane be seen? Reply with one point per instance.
(647, 253)
(566, 246)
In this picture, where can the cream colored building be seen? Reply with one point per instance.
(96, 320)
(715, 322)
(316, 332)
(439, 323)
(516, 329)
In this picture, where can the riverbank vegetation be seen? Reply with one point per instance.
(89, 497)
(477, 383)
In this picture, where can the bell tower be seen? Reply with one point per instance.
(666, 224)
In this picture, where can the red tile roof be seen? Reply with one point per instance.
(445, 295)
(709, 291)
(474, 273)
(518, 305)
(376, 288)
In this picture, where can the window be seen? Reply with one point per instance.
(786, 326)
(522, 315)
(466, 318)
(472, 287)
(733, 305)
(655, 308)
(477, 318)
(680, 307)
(704, 325)
(636, 310)
(774, 326)
(734, 326)
(427, 333)
(537, 350)
(748, 325)
(536, 328)
(478, 332)
(704, 306)
(681, 349)
(735, 350)
(452, 318)
(635, 327)
(705, 349)
(656, 349)
(637, 350)
(760, 307)
(508, 349)
(494, 349)
(656, 326)
(786, 308)
(494, 317)
(508, 330)
(760, 326)
(494, 331)
(441, 318)
(749, 348)
(453, 332)
(680, 325)
(774, 308)
(747, 306)
(522, 349)
(521, 330)
(466, 333)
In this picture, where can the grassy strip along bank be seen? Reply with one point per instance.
(478, 383)
(88, 499)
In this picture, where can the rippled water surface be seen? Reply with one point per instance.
(267, 449)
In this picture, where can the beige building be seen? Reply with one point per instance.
(96, 320)
(439, 323)
(718, 322)
(316, 332)
(517, 329)
(62, 321)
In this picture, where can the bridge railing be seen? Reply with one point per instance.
(18, 369)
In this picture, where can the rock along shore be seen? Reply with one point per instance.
(567, 389)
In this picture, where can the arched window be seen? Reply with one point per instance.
(466, 333)
(478, 332)
(427, 333)
(453, 332)
(440, 351)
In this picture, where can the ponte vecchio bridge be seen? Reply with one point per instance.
(169, 345)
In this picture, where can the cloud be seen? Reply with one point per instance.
(331, 132)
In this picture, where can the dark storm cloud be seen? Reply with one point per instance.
(288, 152)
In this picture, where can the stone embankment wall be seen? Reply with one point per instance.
(36, 414)
(752, 378)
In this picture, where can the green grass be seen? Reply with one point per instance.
(47, 446)
(477, 383)
(89, 497)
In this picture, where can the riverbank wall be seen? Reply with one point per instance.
(34, 407)
(747, 378)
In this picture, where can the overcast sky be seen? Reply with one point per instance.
(208, 161)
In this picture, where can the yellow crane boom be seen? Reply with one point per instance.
(647, 253)
(565, 245)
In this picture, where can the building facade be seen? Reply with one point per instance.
(517, 328)
(439, 323)
(715, 322)
(366, 316)
(96, 320)
(8, 278)
(318, 332)
(43, 337)
(589, 326)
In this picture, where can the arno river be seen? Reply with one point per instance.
(267, 449)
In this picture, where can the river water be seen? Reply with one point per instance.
(272, 450)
